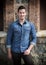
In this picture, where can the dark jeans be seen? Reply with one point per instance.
(17, 58)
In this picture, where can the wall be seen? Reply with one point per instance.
(34, 16)
(9, 13)
(34, 12)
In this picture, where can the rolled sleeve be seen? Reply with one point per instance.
(33, 34)
(8, 46)
(9, 37)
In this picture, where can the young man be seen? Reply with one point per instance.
(21, 38)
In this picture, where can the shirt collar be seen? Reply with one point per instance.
(23, 23)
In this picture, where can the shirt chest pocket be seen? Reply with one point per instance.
(16, 30)
(27, 29)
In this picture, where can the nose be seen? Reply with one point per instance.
(22, 14)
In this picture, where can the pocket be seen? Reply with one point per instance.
(27, 30)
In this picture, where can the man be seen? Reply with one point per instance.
(21, 38)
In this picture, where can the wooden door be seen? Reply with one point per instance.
(43, 14)
(1, 15)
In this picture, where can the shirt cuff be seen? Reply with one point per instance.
(33, 43)
(8, 46)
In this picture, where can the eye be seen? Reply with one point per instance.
(20, 12)
(23, 12)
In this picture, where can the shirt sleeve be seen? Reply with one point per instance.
(9, 36)
(33, 34)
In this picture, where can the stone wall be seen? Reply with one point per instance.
(39, 52)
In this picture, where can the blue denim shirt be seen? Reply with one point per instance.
(19, 37)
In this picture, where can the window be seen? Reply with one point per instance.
(18, 1)
(24, 1)
(21, 1)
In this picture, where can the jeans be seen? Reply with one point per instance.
(16, 57)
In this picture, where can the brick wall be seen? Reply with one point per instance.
(9, 13)
(34, 13)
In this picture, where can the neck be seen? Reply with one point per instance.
(22, 21)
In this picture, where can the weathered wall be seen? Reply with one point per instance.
(9, 13)
(39, 52)
(34, 12)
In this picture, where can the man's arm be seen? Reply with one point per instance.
(27, 52)
(8, 41)
(9, 53)
(33, 42)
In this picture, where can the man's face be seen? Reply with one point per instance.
(22, 14)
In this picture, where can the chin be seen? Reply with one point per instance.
(22, 18)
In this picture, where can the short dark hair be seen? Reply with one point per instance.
(21, 7)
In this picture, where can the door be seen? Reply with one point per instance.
(43, 14)
(1, 15)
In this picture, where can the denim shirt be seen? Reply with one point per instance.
(19, 37)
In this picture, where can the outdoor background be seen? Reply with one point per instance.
(36, 13)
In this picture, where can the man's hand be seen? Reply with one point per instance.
(9, 55)
(27, 52)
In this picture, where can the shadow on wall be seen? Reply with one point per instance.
(3, 58)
